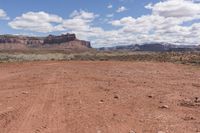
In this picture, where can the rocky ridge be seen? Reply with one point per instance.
(63, 41)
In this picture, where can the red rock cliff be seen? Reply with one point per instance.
(49, 41)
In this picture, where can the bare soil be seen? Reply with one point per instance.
(99, 97)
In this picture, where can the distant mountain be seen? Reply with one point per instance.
(152, 47)
(69, 42)
(51, 42)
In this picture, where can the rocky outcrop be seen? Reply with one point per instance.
(59, 39)
(41, 42)
(20, 39)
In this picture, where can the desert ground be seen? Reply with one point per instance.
(99, 97)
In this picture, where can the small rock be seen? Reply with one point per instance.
(150, 96)
(197, 130)
(187, 118)
(114, 114)
(161, 132)
(101, 101)
(164, 107)
(9, 108)
(24, 92)
(132, 131)
(116, 97)
(197, 100)
(98, 131)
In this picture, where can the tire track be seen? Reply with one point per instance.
(32, 116)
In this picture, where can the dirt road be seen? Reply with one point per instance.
(99, 97)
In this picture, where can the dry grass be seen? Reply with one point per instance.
(175, 57)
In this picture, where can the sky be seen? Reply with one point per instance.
(105, 22)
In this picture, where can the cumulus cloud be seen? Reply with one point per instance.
(79, 20)
(121, 9)
(83, 15)
(81, 23)
(165, 23)
(175, 8)
(36, 21)
(110, 6)
(3, 15)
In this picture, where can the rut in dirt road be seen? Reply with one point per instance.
(45, 110)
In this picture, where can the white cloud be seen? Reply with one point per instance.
(83, 15)
(3, 15)
(121, 9)
(109, 15)
(124, 21)
(149, 6)
(36, 21)
(164, 24)
(175, 8)
(79, 20)
(110, 6)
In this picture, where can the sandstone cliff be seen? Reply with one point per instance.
(62, 42)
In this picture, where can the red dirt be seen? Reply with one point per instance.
(99, 97)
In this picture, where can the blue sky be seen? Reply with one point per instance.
(105, 22)
(65, 7)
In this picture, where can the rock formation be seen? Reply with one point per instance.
(20, 39)
(63, 41)
(59, 39)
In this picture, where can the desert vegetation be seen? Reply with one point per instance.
(175, 57)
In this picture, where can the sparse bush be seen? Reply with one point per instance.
(175, 57)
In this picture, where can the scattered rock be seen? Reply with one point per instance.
(44, 126)
(194, 102)
(164, 107)
(132, 131)
(188, 118)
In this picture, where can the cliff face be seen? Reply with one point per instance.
(59, 39)
(62, 41)
(19, 39)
